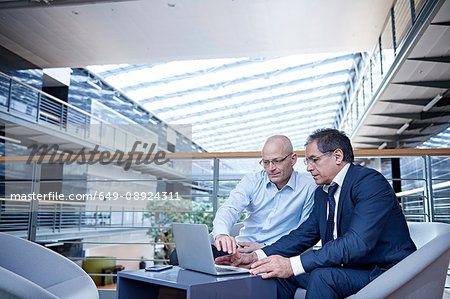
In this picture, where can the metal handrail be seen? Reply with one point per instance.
(210, 155)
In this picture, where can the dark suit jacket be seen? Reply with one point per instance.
(371, 228)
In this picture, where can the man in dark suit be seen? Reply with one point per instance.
(357, 217)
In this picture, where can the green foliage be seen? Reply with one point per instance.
(183, 211)
(162, 213)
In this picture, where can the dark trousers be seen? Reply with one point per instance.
(173, 259)
(325, 283)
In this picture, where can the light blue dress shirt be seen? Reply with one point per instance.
(271, 213)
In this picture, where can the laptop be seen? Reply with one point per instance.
(194, 250)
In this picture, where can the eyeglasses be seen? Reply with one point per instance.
(275, 162)
(314, 160)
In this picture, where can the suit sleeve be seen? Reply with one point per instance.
(374, 200)
(298, 240)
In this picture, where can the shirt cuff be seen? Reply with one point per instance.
(296, 265)
(261, 254)
(219, 231)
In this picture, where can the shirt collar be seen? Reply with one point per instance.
(292, 180)
(291, 183)
(339, 178)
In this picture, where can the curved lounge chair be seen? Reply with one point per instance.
(29, 270)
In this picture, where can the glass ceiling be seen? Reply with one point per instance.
(235, 104)
(441, 140)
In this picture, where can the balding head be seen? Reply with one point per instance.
(281, 142)
(279, 158)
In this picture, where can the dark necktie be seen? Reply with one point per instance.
(330, 219)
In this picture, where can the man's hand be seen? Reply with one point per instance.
(249, 246)
(273, 266)
(225, 243)
(237, 260)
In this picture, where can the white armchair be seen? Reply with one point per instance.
(29, 270)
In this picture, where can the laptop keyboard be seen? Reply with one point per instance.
(220, 269)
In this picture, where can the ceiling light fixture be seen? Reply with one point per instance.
(403, 128)
(432, 102)
(382, 146)
(10, 139)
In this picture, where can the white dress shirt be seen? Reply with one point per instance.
(271, 213)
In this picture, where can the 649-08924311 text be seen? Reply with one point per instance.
(161, 196)
(139, 196)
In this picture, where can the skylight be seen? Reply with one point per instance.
(235, 104)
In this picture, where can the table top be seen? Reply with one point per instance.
(180, 278)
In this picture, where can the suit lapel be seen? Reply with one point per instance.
(343, 196)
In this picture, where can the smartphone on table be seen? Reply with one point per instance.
(157, 268)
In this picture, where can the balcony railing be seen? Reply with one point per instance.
(424, 196)
(377, 65)
(32, 105)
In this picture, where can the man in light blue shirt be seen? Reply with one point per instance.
(277, 199)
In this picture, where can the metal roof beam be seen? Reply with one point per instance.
(236, 134)
(218, 130)
(259, 89)
(248, 120)
(126, 69)
(416, 102)
(194, 74)
(411, 127)
(441, 59)
(228, 136)
(238, 64)
(435, 83)
(445, 101)
(258, 101)
(420, 116)
(441, 24)
(241, 80)
(259, 137)
(299, 137)
(393, 138)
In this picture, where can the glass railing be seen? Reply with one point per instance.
(144, 220)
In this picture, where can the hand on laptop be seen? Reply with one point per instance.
(249, 246)
(273, 266)
(225, 243)
(237, 260)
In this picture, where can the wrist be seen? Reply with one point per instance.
(221, 236)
